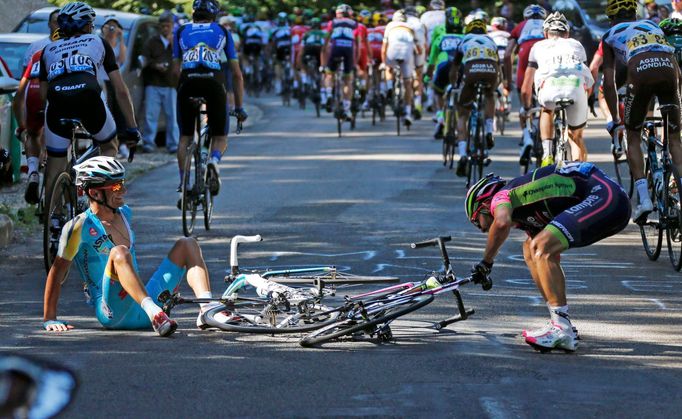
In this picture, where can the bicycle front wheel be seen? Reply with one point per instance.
(673, 217)
(189, 191)
(383, 311)
(652, 230)
(61, 208)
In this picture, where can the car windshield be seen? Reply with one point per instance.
(13, 54)
(593, 11)
(39, 25)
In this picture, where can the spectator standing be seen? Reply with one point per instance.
(160, 86)
(112, 32)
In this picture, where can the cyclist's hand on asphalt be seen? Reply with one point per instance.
(241, 114)
(611, 127)
(481, 271)
(56, 326)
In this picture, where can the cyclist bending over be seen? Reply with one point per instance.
(558, 208)
(558, 68)
(69, 72)
(478, 54)
(652, 71)
(101, 242)
(399, 49)
(196, 55)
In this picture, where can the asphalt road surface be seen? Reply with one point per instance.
(357, 202)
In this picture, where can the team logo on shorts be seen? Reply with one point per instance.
(106, 310)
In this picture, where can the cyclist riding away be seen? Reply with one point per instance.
(197, 52)
(433, 18)
(419, 58)
(522, 39)
(280, 41)
(558, 68)
(253, 45)
(298, 31)
(362, 66)
(312, 42)
(101, 242)
(652, 71)
(478, 54)
(559, 209)
(399, 49)
(442, 55)
(341, 43)
(69, 72)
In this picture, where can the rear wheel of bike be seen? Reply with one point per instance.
(472, 160)
(62, 208)
(394, 308)
(189, 192)
(622, 168)
(652, 230)
(207, 205)
(673, 216)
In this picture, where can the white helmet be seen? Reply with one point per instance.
(399, 16)
(99, 171)
(75, 16)
(437, 5)
(556, 22)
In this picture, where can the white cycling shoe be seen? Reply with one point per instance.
(222, 317)
(551, 336)
(642, 210)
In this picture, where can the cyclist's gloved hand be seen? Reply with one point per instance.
(611, 126)
(241, 114)
(480, 272)
(133, 137)
(56, 326)
(382, 66)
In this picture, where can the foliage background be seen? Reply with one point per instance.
(274, 6)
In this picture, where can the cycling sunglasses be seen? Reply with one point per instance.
(482, 209)
(114, 187)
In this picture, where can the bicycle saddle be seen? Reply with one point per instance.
(669, 108)
(563, 103)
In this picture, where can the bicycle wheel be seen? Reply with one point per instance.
(673, 216)
(622, 168)
(381, 311)
(207, 206)
(652, 230)
(62, 208)
(252, 315)
(189, 192)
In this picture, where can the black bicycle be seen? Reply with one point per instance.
(476, 144)
(561, 146)
(63, 201)
(450, 125)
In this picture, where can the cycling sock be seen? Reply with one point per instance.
(560, 315)
(462, 147)
(216, 155)
(295, 84)
(408, 110)
(205, 294)
(33, 163)
(547, 148)
(304, 78)
(417, 102)
(149, 307)
(329, 91)
(488, 125)
(642, 188)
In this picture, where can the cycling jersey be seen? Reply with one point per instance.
(342, 32)
(297, 34)
(576, 202)
(314, 37)
(252, 34)
(84, 240)
(72, 67)
(266, 27)
(629, 39)
(526, 34)
(32, 49)
(675, 41)
(375, 37)
(33, 102)
(443, 51)
(430, 19)
(501, 39)
(478, 54)
(419, 38)
(281, 37)
(477, 47)
(199, 46)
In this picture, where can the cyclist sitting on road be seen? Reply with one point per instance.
(399, 49)
(102, 244)
(571, 206)
(197, 52)
(522, 39)
(442, 55)
(280, 41)
(29, 110)
(478, 54)
(341, 42)
(558, 68)
(69, 72)
(652, 71)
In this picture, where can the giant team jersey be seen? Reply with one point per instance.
(631, 38)
(82, 54)
(477, 47)
(281, 37)
(252, 34)
(201, 45)
(85, 241)
(342, 32)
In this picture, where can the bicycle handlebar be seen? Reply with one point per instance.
(432, 242)
(234, 244)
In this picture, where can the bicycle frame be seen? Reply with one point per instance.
(561, 146)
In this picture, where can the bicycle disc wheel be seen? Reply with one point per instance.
(252, 315)
(673, 217)
(62, 208)
(652, 230)
(189, 204)
(379, 315)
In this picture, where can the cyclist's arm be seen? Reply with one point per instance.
(527, 88)
(508, 55)
(53, 285)
(384, 48)
(498, 233)
(610, 91)
(19, 103)
(237, 78)
(356, 51)
(594, 66)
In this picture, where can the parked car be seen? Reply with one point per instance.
(589, 22)
(13, 47)
(136, 30)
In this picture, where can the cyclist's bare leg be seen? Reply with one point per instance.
(110, 148)
(603, 106)
(578, 148)
(186, 253)
(634, 154)
(409, 90)
(120, 265)
(544, 251)
(530, 262)
(219, 143)
(546, 131)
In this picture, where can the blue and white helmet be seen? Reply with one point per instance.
(75, 16)
(209, 6)
(534, 11)
(99, 171)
